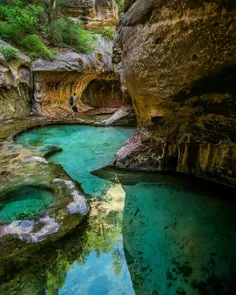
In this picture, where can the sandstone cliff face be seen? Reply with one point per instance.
(72, 73)
(94, 13)
(103, 94)
(15, 87)
(178, 63)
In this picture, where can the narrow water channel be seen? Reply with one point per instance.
(153, 233)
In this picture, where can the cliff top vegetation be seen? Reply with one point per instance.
(36, 26)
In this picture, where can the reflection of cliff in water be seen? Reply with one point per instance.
(53, 266)
(179, 238)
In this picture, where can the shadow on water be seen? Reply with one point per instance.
(178, 233)
(150, 233)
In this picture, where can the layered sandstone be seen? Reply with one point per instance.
(178, 62)
(94, 13)
(90, 76)
(15, 86)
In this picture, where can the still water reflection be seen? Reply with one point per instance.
(147, 234)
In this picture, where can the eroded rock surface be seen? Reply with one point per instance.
(178, 63)
(15, 86)
(22, 168)
(94, 13)
(72, 73)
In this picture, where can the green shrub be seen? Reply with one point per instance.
(23, 19)
(8, 33)
(10, 53)
(36, 48)
(83, 42)
(107, 33)
(68, 32)
(120, 4)
(29, 23)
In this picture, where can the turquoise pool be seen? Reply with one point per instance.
(158, 234)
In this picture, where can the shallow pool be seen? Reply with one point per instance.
(24, 203)
(154, 234)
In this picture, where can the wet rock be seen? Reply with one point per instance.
(32, 220)
(34, 159)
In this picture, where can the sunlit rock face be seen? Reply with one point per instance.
(70, 73)
(15, 87)
(94, 13)
(178, 63)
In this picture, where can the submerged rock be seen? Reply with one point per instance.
(178, 65)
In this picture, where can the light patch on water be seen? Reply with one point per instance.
(113, 202)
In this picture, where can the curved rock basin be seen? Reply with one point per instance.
(85, 149)
(24, 203)
(147, 234)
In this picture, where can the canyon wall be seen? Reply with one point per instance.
(70, 72)
(45, 87)
(90, 76)
(94, 13)
(15, 87)
(178, 63)
(103, 94)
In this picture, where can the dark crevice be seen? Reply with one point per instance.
(156, 119)
(222, 81)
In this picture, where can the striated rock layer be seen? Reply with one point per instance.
(91, 77)
(179, 66)
(94, 13)
(15, 86)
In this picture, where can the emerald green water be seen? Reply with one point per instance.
(24, 203)
(85, 149)
(175, 235)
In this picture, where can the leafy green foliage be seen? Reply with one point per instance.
(24, 20)
(10, 53)
(8, 33)
(40, 23)
(75, 36)
(68, 32)
(120, 4)
(107, 33)
(36, 47)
